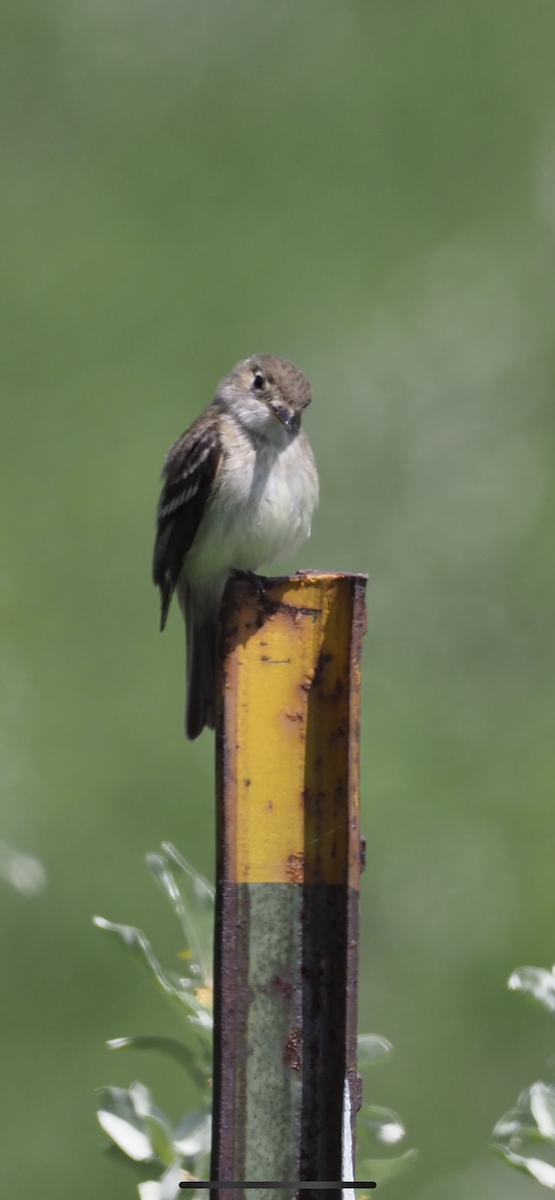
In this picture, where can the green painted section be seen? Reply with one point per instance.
(273, 1074)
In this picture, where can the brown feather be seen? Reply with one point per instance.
(189, 472)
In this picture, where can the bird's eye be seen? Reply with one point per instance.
(258, 381)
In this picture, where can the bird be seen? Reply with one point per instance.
(240, 487)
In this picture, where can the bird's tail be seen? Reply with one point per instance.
(201, 633)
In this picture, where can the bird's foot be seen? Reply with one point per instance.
(258, 582)
(266, 607)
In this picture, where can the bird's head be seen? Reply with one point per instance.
(267, 394)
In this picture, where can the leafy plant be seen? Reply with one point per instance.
(140, 1129)
(525, 1136)
(378, 1127)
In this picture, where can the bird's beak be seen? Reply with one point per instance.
(282, 413)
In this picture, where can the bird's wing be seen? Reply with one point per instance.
(189, 472)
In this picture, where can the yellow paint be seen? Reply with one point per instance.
(289, 687)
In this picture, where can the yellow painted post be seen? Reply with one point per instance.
(288, 863)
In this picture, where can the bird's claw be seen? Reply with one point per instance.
(258, 582)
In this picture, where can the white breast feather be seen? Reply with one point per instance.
(262, 510)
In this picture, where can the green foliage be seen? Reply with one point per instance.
(140, 1129)
(525, 1136)
(377, 1127)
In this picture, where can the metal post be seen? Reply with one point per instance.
(288, 864)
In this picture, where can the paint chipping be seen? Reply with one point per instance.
(295, 868)
(292, 1050)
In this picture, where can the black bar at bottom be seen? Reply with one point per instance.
(359, 1183)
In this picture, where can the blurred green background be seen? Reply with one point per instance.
(366, 187)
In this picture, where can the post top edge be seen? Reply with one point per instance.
(304, 576)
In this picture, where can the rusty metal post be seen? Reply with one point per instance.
(288, 863)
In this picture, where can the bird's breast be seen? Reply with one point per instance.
(261, 509)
